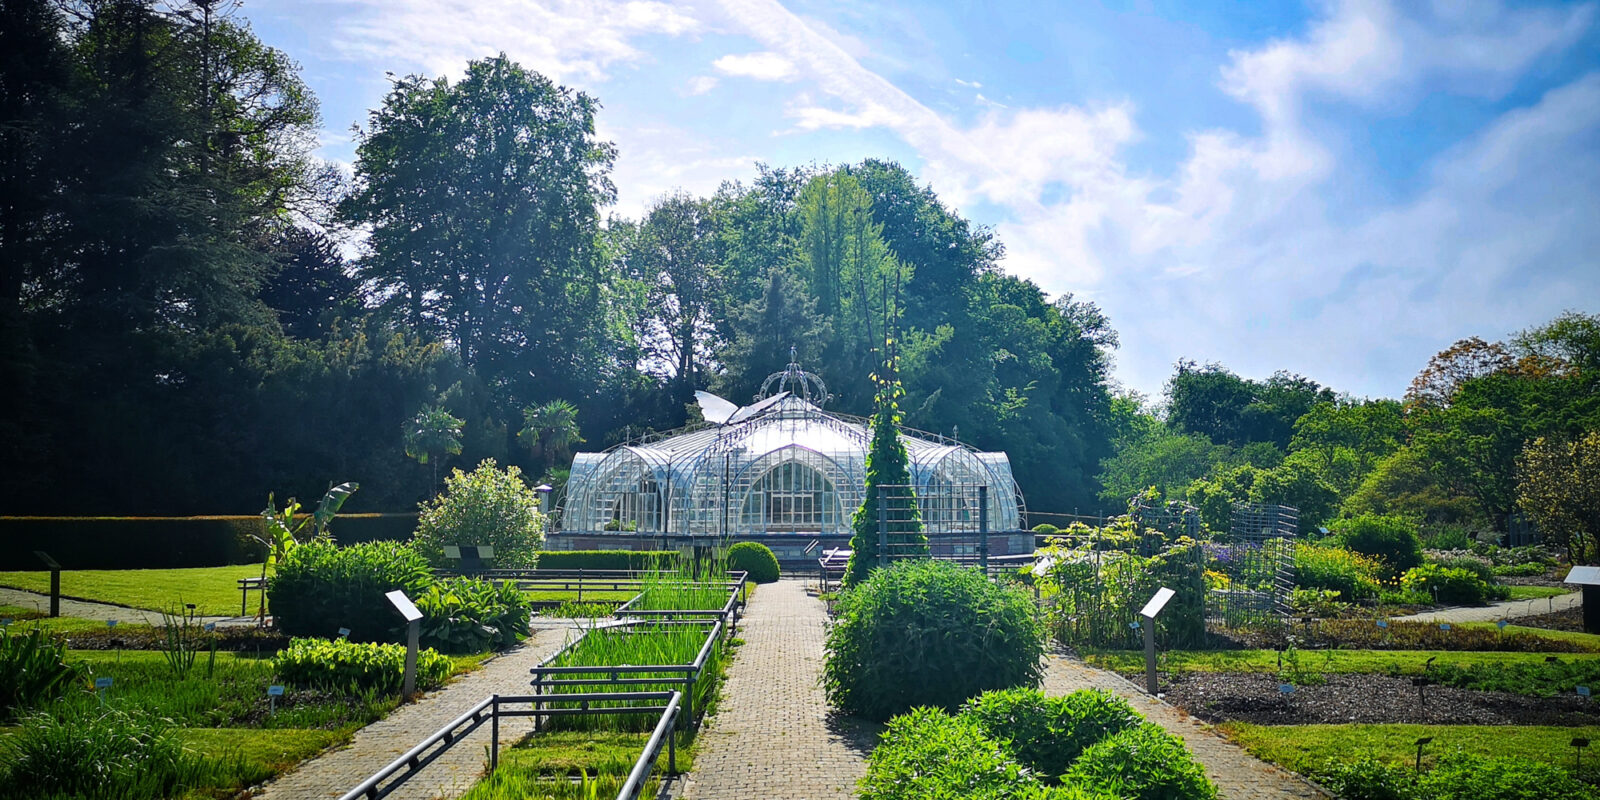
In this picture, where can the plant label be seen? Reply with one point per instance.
(5, 622)
(1383, 623)
(111, 623)
(275, 691)
(344, 633)
(1285, 688)
(211, 626)
(1134, 625)
(1583, 691)
(1444, 626)
(102, 683)
(1501, 624)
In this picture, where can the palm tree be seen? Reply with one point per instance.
(431, 435)
(550, 431)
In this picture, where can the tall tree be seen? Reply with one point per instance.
(1559, 488)
(674, 254)
(550, 431)
(483, 201)
(1453, 366)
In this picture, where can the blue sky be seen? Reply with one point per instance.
(1340, 189)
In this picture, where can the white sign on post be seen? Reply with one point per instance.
(1157, 602)
(413, 618)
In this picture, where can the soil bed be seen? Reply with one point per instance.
(1253, 697)
(1570, 619)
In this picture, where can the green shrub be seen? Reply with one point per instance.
(1528, 570)
(1046, 528)
(928, 633)
(1446, 537)
(608, 559)
(1143, 762)
(1481, 568)
(1399, 635)
(754, 558)
(467, 615)
(321, 587)
(1369, 779)
(487, 506)
(1390, 539)
(341, 665)
(1451, 585)
(102, 753)
(930, 754)
(34, 670)
(1353, 575)
(1047, 734)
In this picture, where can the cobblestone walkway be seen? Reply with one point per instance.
(457, 770)
(1509, 609)
(1239, 775)
(773, 735)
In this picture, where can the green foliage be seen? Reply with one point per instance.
(341, 665)
(1353, 575)
(929, 754)
(1451, 585)
(98, 752)
(283, 532)
(487, 506)
(638, 645)
(1368, 779)
(1546, 679)
(607, 559)
(432, 434)
(321, 587)
(1392, 540)
(1142, 762)
(754, 558)
(1402, 635)
(1091, 600)
(1162, 459)
(1559, 489)
(1047, 734)
(1480, 567)
(1046, 528)
(928, 633)
(887, 466)
(34, 670)
(466, 615)
(550, 431)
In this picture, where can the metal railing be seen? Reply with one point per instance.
(547, 680)
(492, 708)
(730, 611)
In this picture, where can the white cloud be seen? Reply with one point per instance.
(567, 40)
(969, 84)
(760, 66)
(1235, 254)
(700, 84)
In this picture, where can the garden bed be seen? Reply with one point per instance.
(1569, 620)
(1258, 698)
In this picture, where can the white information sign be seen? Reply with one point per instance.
(1158, 602)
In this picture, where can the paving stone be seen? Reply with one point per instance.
(1237, 774)
(773, 734)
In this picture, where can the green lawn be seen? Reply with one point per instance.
(1331, 661)
(213, 590)
(1309, 748)
(266, 753)
(1536, 592)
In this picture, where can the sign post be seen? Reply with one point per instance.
(1157, 602)
(55, 581)
(413, 618)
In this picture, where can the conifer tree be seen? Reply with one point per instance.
(887, 465)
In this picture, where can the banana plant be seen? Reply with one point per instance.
(284, 530)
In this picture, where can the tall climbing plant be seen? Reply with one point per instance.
(887, 465)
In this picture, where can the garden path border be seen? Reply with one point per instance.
(1508, 609)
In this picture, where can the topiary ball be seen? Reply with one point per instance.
(754, 558)
(928, 633)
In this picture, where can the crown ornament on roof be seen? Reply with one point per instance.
(807, 386)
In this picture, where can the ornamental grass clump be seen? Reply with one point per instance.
(98, 752)
(928, 633)
(33, 670)
(637, 645)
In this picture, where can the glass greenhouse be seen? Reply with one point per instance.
(780, 466)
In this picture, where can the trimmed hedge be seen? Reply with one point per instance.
(754, 558)
(166, 542)
(607, 559)
(321, 587)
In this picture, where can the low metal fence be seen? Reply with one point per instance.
(385, 781)
(548, 681)
(730, 611)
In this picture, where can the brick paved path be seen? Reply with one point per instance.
(456, 771)
(1503, 610)
(84, 609)
(1239, 775)
(773, 735)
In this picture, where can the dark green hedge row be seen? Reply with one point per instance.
(165, 542)
(607, 559)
